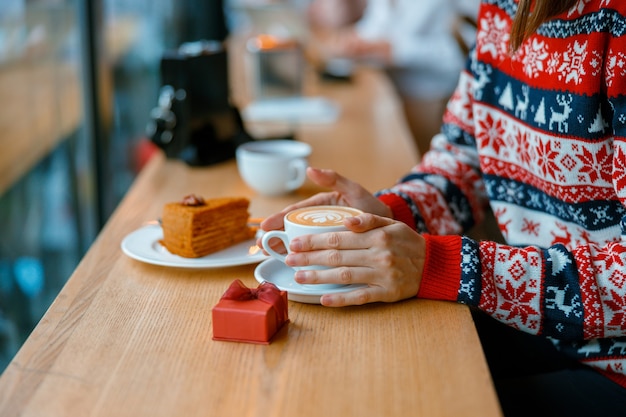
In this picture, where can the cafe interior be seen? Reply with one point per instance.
(79, 82)
(104, 105)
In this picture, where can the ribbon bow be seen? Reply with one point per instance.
(266, 292)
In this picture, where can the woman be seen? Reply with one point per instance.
(537, 130)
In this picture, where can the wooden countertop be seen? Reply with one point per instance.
(125, 338)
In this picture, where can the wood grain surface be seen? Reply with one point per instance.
(125, 338)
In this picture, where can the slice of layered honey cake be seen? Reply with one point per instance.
(195, 227)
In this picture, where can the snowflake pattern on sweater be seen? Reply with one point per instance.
(540, 136)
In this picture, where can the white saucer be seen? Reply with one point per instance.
(279, 274)
(143, 245)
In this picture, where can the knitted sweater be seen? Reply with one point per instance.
(540, 136)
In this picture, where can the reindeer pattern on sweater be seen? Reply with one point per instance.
(540, 136)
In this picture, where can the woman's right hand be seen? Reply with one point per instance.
(344, 193)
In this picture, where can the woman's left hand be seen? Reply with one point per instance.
(386, 255)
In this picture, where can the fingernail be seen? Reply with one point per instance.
(289, 260)
(354, 221)
(295, 245)
(299, 277)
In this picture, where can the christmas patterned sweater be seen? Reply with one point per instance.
(540, 136)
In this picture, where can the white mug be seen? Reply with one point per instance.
(305, 221)
(273, 167)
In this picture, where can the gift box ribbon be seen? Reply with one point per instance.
(266, 292)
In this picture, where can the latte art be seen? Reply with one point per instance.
(322, 216)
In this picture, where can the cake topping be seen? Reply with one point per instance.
(193, 200)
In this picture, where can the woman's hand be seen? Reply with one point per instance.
(349, 44)
(385, 255)
(345, 193)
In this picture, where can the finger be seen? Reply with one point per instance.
(366, 222)
(368, 234)
(322, 177)
(347, 192)
(329, 178)
(340, 276)
(273, 222)
(361, 257)
(305, 244)
(359, 296)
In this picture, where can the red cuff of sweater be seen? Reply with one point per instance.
(441, 277)
(399, 208)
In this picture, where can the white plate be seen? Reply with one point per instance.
(143, 245)
(279, 274)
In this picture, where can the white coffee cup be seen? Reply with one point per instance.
(273, 167)
(305, 221)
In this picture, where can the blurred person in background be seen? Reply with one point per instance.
(335, 14)
(422, 45)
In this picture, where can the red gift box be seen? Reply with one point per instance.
(250, 315)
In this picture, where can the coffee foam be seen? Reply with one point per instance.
(322, 216)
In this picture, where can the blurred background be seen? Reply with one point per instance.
(78, 79)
